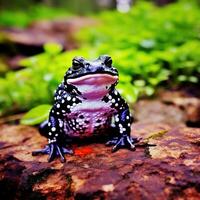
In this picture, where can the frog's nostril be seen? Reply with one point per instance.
(87, 64)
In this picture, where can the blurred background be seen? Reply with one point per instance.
(155, 44)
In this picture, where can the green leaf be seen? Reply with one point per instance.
(139, 83)
(182, 78)
(147, 44)
(149, 90)
(36, 115)
(193, 79)
(53, 48)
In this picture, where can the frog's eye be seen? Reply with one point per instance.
(76, 63)
(108, 61)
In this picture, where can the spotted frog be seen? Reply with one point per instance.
(86, 105)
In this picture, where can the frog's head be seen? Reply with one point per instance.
(92, 78)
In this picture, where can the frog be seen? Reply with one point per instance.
(86, 104)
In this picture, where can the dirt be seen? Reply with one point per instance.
(167, 168)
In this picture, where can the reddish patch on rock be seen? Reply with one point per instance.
(83, 151)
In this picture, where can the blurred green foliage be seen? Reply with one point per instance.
(36, 115)
(150, 46)
(20, 18)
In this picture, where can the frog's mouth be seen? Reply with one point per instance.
(93, 85)
(95, 79)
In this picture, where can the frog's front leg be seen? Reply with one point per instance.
(122, 124)
(54, 129)
(123, 139)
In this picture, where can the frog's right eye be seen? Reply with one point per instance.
(77, 63)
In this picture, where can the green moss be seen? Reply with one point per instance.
(156, 135)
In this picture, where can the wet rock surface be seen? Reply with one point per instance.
(167, 168)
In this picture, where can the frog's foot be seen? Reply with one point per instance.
(53, 150)
(123, 141)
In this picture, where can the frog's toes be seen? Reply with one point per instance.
(46, 150)
(124, 141)
(56, 150)
(67, 151)
(111, 142)
(53, 150)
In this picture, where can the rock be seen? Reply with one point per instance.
(184, 100)
(155, 111)
(19, 43)
(40, 32)
(167, 168)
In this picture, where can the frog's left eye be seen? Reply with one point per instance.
(76, 63)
